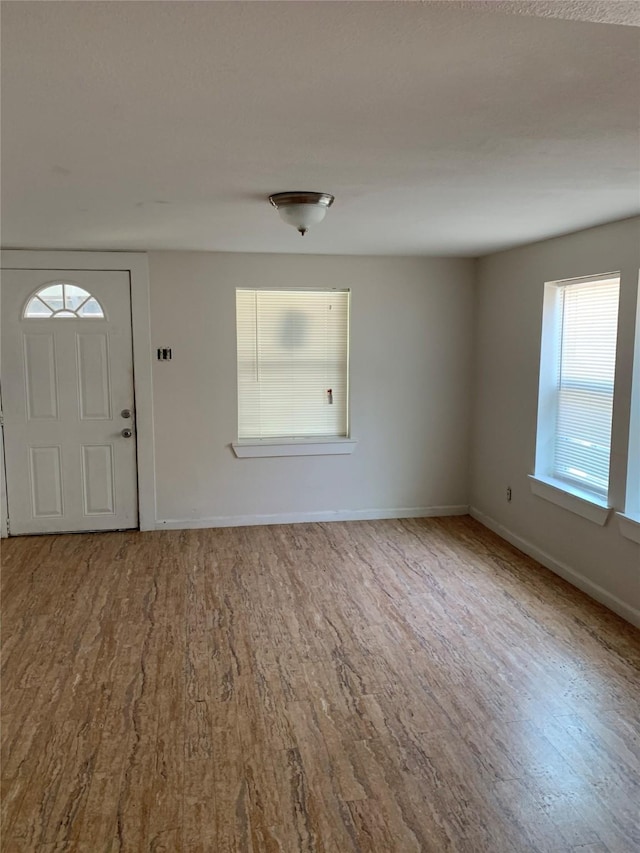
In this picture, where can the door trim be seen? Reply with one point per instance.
(137, 265)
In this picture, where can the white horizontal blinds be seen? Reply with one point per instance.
(292, 351)
(585, 382)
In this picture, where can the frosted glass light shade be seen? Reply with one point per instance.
(302, 216)
(302, 209)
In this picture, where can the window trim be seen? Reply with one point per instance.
(631, 514)
(287, 445)
(585, 504)
(629, 526)
(269, 447)
(569, 495)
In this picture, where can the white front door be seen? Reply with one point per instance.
(67, 393)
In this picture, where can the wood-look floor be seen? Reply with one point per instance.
(387, 686)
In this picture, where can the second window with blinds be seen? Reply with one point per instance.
(577, 373)
(293, 364)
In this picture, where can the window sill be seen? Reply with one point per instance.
(581, 503)
(629, 526)
(294, 447)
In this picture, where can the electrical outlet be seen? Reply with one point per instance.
(508, 494)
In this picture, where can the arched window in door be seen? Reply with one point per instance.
(62, 299)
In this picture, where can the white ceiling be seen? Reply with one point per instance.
(623, 12)
(441, 127)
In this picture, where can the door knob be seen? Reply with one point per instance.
(126, 433)
(125, 413)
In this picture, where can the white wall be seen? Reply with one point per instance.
(3, 491)
(411, 336)
(508, 315)
(3, 484)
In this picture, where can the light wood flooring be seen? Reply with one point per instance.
(387, 686)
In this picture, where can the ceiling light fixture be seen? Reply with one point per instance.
(302, 209)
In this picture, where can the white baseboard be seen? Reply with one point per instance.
(301, 517)
(627, 611)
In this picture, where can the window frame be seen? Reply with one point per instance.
(63, 313)
(319, 445)
(629, 520)
(570, 495)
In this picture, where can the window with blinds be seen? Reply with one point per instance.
(586, 323)
(293, 358)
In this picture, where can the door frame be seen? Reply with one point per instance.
(137, 265)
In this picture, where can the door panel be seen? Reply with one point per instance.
(46, 482)
(40, 376)
(94, 390)
(98, 479)
(67, 374)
